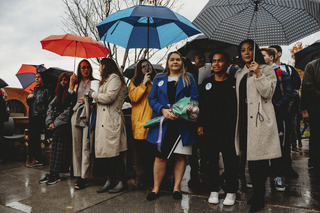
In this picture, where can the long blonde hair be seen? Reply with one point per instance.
(183, 72)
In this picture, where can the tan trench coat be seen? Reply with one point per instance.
(263, 139)
(110, 133)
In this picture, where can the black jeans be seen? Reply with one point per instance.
(220, 142)
(36, 127)
(282, 164)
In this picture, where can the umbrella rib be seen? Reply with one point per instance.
(156, 28)
(68, 46)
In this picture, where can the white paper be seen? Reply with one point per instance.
(95, 85)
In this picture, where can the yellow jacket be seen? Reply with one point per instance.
(141, 110)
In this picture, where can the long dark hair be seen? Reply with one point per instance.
(185, 78)
(138, 75)
(79, 74)
(109, 67)
(62, 93)
(258, 55)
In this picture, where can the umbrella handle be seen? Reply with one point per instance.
(74, 61)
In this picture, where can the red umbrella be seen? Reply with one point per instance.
(77, 46)
(26, 76)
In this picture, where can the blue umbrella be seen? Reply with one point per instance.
(145, 26)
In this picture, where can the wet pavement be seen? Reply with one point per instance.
(20, 192)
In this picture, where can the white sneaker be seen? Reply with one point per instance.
(214, 198)
(230, 199)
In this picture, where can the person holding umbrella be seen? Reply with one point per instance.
(79, 86)
(175, 136)
(256, 135)
(38, 102)
(139, 90)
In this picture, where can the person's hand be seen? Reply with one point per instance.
(30, 96)
(167, 113)
(90, 93)
(200, 131)
(51, 126)
(305, 115)
(146, 78)
(73, 79)
(254, 66)
(82, 99)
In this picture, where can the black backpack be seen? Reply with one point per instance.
(295, 78)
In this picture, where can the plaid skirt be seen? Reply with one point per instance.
(60, 159)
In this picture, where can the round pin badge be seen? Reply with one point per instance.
(160, 83)
(208, 86)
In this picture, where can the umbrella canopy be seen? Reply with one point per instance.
(129, 72)
(52, 74)
(77, 46)
(145, 26)
(26, 76)
(265, 21)
(207, 46)
(3, 83)
(304, 56)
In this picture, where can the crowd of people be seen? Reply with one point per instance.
(249, 113)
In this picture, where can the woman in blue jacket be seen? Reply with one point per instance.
(175, 136)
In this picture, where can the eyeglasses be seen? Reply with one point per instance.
(145, 66)
(83, 67)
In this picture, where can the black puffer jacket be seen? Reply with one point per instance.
(38, 105)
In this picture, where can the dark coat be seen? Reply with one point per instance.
(281, 101)
(310, 98)
(158, 99)
(38, 105)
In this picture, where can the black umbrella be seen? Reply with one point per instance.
(205, 45)
(51, 76)
(129, 72)
(3, 83)
(304, 56)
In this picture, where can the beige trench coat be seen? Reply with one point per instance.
(110, 133)
(263, 139)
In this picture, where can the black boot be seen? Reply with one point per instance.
(105, 187)
(121, 186)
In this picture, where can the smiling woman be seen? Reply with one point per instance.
(176, 135)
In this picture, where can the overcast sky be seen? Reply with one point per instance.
(23, 23)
